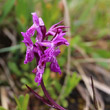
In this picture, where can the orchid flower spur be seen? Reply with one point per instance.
(44, 50)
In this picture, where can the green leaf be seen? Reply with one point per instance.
(71, 84)
(7, 8)
(14, 68)
(25, 81)
(57, 85)
(61, 61)
(102, 53)
(25, 103)
(21, 100)
(75, 40)
(7, 49)
(52, 92)
(25, 67)
(64, 103)
(17, 101)
(46, 76)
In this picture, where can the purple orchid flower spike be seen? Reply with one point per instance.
(44, 51)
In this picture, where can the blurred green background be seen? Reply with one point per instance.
(90, 24)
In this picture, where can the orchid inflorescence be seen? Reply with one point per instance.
(44, 50)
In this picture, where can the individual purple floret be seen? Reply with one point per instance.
(29, 44)
(50, 56)
(43, 50)
(56, 41)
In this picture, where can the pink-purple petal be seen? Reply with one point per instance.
(35, 18)
(29, 55)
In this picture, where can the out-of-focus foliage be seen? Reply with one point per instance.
(22, 11)
(1, 108)
(72, 81)
(6, 9)
(22, 102)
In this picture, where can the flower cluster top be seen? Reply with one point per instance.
(43, 50)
